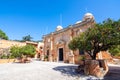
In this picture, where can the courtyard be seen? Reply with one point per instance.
(38, 70)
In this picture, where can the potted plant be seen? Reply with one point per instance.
(46, 58)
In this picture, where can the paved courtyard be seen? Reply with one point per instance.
(38, 70)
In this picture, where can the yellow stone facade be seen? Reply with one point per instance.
(56, 43)
(6, 44)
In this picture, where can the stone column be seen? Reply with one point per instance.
(51, 44)
(51, 50)
(44, 47)
(72, 56)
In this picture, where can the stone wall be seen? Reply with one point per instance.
(8, 43)
(98, 68)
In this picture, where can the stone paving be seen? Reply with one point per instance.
(38, 70)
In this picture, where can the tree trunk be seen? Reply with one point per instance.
(94, 54)
(93, 57)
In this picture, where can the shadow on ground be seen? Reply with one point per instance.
(69, 71)
(113, 74)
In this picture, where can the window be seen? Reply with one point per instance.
(47, 52)
(81, 52)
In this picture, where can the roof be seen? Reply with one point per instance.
(29, 42)
(67, 28)
(88, 17)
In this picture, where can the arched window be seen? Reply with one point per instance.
(47, 52)
(81, 52)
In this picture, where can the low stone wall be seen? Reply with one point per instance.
(6, 60)
(98, 68)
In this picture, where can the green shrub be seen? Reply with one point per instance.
(3, 56)
(18, 52)
(115, 51)
(28, 50)
(15, 52)
(81, 58)
(46, 57)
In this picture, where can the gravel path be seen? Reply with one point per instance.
(38, 70)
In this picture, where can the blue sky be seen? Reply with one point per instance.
(19, 18)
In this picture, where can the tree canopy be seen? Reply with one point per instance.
(27, 38)
(28, 50)
(100, 38)
(115, 51)
(15, 51)
(3, 35)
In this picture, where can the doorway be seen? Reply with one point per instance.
(47, 52)
(60, 54)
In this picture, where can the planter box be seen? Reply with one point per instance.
(98, 68)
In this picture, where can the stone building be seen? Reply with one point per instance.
(56, 43)
(39, 51)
